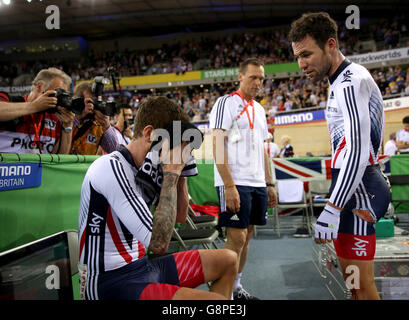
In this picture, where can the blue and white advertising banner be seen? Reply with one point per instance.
(19, 175)
(204, 127)
(299, 117)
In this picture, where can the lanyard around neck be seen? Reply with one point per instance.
(38, 123)
(250, 103)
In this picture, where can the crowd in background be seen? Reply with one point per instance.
(270, 45)
(279, 95)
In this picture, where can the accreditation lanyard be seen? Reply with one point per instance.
(245, 109)
(37, 124)
(251, 119)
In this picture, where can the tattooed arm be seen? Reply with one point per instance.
(164, 217)
(183, 200)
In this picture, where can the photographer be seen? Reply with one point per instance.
(92, 127)
(124, 124)
(36, 123)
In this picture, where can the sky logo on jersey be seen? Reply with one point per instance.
(95, 223)
(20, 176)
(347, 76)
(360, 247)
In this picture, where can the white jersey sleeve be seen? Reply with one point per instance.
(125, 201)
(114, 223)
(352, 96)
(221, 116)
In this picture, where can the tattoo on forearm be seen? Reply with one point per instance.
(165, 214)
(167, 173)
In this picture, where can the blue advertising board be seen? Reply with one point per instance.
(19, 175)
(299, 117)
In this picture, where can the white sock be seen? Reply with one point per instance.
(237, 281)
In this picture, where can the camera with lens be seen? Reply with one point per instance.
(66, 100)
(108, 108)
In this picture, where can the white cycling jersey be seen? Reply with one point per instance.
(115, 219)
(355, 119)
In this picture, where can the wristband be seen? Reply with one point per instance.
(67, 130)
(269, 185)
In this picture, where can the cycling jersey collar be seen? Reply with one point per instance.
(127, 155)
(341, 68)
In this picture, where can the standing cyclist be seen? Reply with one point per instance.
(355, 118)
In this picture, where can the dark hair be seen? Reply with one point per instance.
(253, 61)
(318, 25)
(158, 112)
(405, 119)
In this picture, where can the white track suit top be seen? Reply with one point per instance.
(245, 156)
(355, 119)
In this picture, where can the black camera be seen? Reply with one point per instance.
(65, 100)
(108, 108)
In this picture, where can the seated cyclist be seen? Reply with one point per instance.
(116, 226)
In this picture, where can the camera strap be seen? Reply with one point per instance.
(81, 131)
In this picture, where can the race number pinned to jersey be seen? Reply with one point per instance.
(19, 176)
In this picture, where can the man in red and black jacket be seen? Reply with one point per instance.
(28, 126)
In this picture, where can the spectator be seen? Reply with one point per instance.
(387, 93)
(407, 88)
(390, 146)
(124, 124)
(402, 137)
(196, 117)
(272, 148)
(394, 88)
(288, 104)
(323, 101)
(286, 149)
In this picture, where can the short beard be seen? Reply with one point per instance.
(321, 76)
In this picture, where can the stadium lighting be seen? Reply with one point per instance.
(6, 2)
